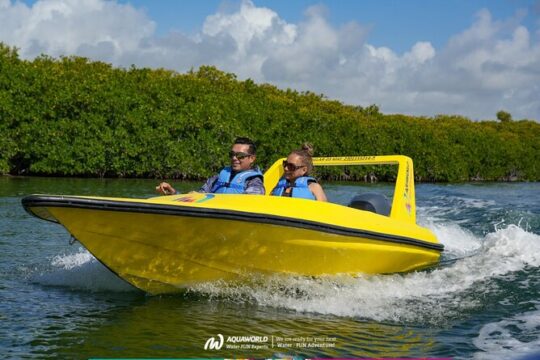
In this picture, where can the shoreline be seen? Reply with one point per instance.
(337, 181)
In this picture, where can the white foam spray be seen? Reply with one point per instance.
(509, 338)
(81, 271)
(427, 297)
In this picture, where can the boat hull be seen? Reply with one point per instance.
(166, 246)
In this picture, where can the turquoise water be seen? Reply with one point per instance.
(482, 302)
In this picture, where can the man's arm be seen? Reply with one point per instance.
(165, 188)
(254, 186)
(207, 187)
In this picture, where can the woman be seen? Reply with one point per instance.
(296, 181)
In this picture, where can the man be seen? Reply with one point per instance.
(242, 177)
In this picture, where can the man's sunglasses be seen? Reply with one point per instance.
(239, 155)
(290, 166)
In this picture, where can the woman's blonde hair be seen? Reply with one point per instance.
(306, 155)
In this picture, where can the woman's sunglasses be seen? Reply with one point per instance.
(239, 155)
(290, 166)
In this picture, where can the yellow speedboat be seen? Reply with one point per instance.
(164, 244)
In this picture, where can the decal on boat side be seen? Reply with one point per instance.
(195, 198)
(344, 158)
(406, 192)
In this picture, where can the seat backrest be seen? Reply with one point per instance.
(374, 202)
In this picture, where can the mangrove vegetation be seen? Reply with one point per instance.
(75, 117)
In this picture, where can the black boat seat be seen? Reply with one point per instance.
(374, 202)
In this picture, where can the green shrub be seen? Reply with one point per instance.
(76, 117)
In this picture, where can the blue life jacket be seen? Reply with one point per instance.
(224, 184)
(300, 189)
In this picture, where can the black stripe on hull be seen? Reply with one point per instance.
(135, 207)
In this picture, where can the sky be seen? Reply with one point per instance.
(418, 57)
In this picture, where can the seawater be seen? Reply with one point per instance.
(481, 302)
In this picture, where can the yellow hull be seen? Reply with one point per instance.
(164, 244)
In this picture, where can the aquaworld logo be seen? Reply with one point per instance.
(213, 344)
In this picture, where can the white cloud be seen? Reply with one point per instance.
(490, 66)
(94, 28)
(248, 25)
(420, 53)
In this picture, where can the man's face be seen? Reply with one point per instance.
(240, 158)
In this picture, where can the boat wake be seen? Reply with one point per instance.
(508, 338)
(473, 269)
(480, 268)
